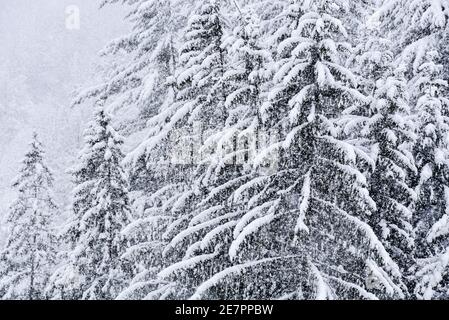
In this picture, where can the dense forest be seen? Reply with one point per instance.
(281, 149)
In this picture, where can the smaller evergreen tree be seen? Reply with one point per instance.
(29, 257)
(95, 269)
(432, 186)
(389, 132)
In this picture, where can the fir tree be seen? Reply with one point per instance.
(201, 72)
(432, 207)
(390, 181)
(199, 100)
(94, 268)
(29, 257)
(228, 165)
(416, 29)
(288, 214)
(382, 125)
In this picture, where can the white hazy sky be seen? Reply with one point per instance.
(36, 46)
(41, 64)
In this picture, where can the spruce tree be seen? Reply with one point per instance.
(29, 256)
(416, 29)
(231, 150)
(390, 184)
(94, 267)
(197, 108)
(304, 222)
(432, 207)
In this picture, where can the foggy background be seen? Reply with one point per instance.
(42, 65)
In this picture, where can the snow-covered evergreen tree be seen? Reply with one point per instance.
(304, 222)
(390, 186)
(432, 207)
(416, 30)
(202, 59)
(430, 149)
(382, 125)
(415, 27)
(94, 267)
(29, 257)
(177, 128)
(230, 151)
